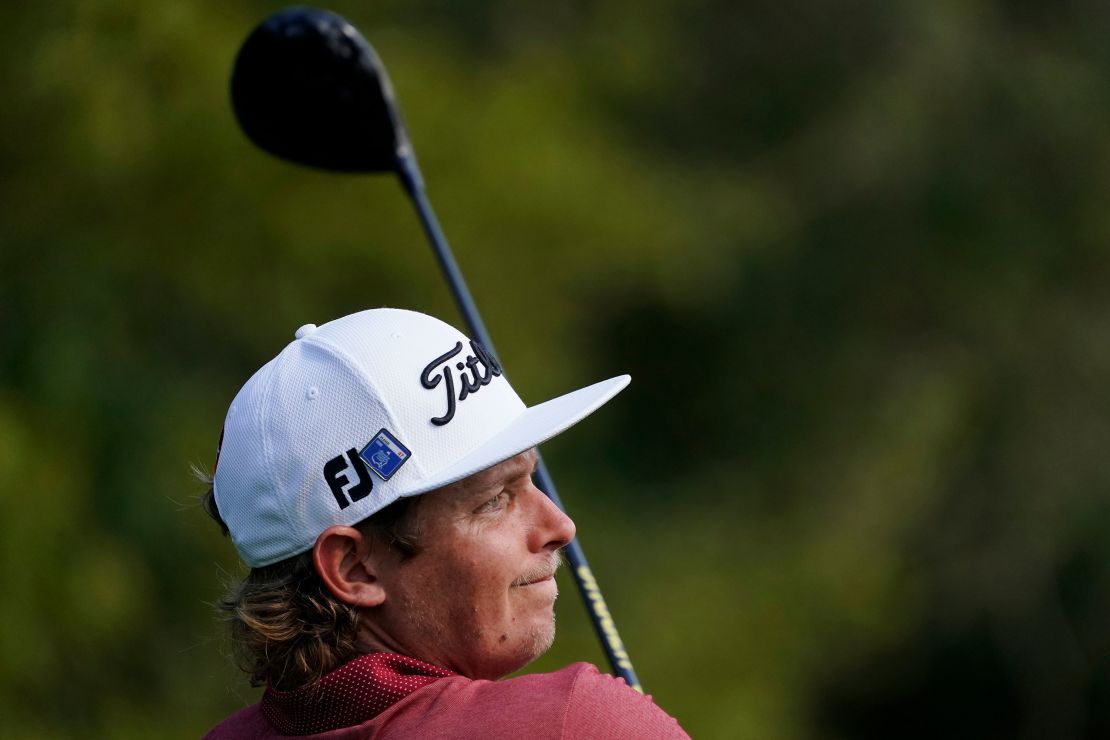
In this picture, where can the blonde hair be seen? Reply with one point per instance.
(287, 629)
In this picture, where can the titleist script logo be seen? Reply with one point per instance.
(439, 371)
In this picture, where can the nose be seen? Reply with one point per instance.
(553, 529)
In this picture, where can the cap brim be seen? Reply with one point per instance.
(534, 426)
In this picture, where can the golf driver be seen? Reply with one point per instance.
(308, 88)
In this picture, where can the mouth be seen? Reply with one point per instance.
(542, 574)
(534, 579)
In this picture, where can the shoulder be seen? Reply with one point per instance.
(603, 706)
(576, 701)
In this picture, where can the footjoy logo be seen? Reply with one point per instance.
(439, 371)
(335, 473)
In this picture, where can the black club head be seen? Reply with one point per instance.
(307, 87)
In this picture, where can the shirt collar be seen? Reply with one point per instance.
(349, 695)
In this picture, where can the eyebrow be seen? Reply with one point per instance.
(522, 464)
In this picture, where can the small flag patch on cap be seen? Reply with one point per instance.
(385, 454)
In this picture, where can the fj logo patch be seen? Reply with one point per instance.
(384, 454)
(336, 473)
(483, 369)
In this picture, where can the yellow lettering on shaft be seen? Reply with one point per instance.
(608, 627)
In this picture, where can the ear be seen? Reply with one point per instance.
(343, 559)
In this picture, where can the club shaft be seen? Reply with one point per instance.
(587, 585)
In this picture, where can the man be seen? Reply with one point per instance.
(376, 478)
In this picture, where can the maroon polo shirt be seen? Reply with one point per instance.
(393, 696)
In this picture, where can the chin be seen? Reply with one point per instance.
(544, 639)
(529, 647)
(539, 642)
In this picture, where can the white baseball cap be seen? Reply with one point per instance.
(362, 411)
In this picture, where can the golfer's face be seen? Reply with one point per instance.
(478, 598)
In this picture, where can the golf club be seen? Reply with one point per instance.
(308, 88)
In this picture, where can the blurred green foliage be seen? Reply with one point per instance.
(854, 254)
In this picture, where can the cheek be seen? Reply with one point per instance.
(488, 583)
(471, 574)
(482, 583)
(457, 578)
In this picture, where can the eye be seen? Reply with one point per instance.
(494, 504)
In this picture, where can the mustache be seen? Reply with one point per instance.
(541, 571)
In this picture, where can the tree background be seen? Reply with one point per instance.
(854, 255)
